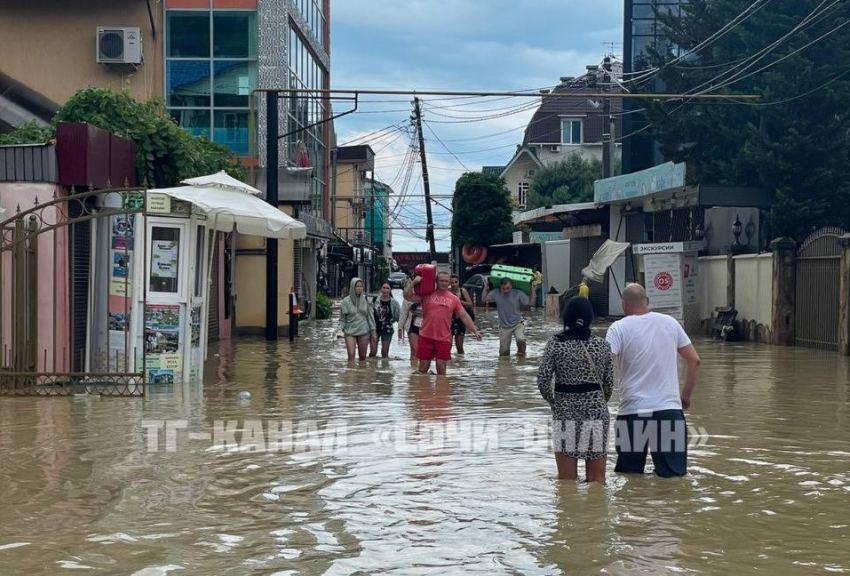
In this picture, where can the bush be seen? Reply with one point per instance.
(323, 307)
(165, 152)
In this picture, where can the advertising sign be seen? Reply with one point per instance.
(663, 281)
(639, 184)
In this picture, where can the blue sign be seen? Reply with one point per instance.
(639, 184)
(541, 237)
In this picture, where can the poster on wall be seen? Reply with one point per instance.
(196, 324)
(195, 351)
(120, 265)
(690, 273)
(122, 232)
(164, 255)
(120, 287)
(664, 283)
(162, 329)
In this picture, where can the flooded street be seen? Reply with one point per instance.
(397, 473)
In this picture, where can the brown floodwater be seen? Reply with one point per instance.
(390, 472)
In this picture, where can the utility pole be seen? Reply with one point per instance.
(429, 232)
(608, 150)
(372, 274)
(272, 198)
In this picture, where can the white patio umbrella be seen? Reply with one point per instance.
(233, 205)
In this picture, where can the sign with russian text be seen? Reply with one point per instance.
(638, 184)
(663, 280)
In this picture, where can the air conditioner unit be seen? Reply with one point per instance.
(119, 45)
(555, 148)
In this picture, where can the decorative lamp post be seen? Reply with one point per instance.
(737, 228)
(699, 233)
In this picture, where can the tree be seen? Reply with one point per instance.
(481, 210)
(564, 182)
(794, 139)
(165, 153)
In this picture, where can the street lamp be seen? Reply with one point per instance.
(737, 228)
(699, 233)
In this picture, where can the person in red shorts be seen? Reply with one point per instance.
(435, 335)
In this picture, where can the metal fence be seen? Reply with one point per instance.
(817, 289)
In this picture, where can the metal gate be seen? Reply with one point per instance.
(45, 283)
(817, 289)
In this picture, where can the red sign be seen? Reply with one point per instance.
(663, 281)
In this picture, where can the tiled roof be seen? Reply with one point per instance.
(497, 170)
(545, 125)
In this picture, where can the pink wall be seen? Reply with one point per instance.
(52, 275)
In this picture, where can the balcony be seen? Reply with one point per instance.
(355, 236)
(295, 185)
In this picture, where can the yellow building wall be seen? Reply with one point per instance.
(250, 273)
(49, 45)
(349, 185)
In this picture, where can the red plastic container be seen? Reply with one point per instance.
(428, 272)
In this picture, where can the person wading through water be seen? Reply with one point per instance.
(356, 320)
(458, 329)
(508, 301)
(409, 322)
(435, 336)
(387, 312)
(583, 371)
(645, 345)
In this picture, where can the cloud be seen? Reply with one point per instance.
(458, 45)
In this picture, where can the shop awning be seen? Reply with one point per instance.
(552, 213)
(232, 205)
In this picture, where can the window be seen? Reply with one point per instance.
(188, 34)
(570, 131)
(165, 260)
(521, 193)
(211, 68)
(306, 72)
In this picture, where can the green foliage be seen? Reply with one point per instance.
(794, 140)
(481, 210)
(323, 307)
(27, 133)
(165, 153)
(566, 182)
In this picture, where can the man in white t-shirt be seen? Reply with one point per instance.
(645, 345)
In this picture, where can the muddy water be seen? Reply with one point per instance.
(394, 473)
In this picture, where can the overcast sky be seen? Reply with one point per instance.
(487, 45)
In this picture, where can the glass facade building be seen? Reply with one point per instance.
(212, 57)
(641, 32)
(210, 70)
(304, 111)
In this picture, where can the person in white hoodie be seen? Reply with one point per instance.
(356, 320)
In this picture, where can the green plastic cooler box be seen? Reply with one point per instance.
(520, 278)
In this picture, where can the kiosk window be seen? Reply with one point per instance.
(164, 260)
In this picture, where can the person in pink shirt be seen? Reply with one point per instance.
(435, 335)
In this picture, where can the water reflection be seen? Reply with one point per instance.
(426, 473)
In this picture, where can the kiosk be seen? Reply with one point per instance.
(671, 278)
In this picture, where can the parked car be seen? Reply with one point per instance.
(397, 279)
(475, 286)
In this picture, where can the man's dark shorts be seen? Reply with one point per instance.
(664, 432)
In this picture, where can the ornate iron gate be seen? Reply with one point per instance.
(817, 289)
(43, 339)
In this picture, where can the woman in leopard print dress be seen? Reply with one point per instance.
(580, 393)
